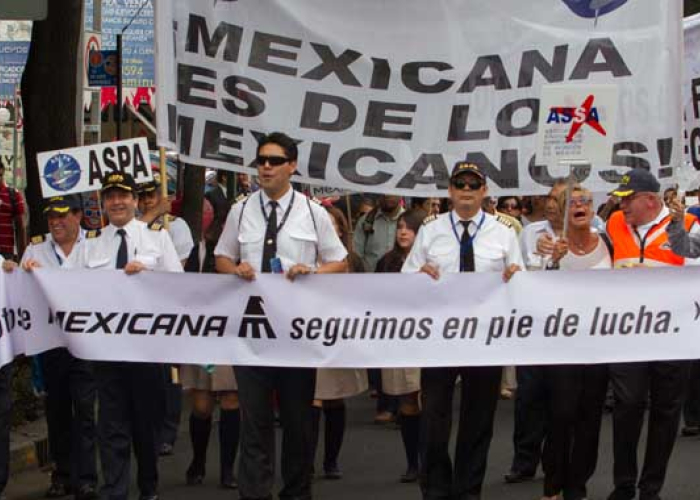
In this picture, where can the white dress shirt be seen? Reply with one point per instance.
(438, 244)
(298, 240)
(154, 249)
(50, 255)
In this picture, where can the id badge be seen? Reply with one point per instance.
(276, 266)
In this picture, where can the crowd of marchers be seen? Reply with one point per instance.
(270, 225)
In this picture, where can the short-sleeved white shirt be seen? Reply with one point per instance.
(307, 236)
(438, 244)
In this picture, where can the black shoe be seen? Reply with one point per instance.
(153, 496)
(620, 494)
(332, 472)
(194, 475)
(229, 482)
(86, 492)
(58, 490)
(690, 430)
(515, 476)
(410, 476)
(166, 449)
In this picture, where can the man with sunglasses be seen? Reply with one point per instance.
(639, 238)
(464, 240)
(277, 230)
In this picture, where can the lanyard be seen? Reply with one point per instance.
(58, 257)
(470, 241)
(286, 213)
(643, 241)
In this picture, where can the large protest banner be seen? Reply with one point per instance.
(691, 89)
(386, 96)
(350, 320)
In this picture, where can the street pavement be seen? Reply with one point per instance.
(372, 460)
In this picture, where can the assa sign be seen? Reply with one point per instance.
(586, 114)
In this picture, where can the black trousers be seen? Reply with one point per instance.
(575, 397)
(5, 420)
(70, 414)
(173, 408)
(480, 391)
(295, 388)
(691, 406)
(131, 397)
(530, 419)
(664, 384)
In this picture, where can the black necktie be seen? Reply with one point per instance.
(270, 244)
(466, 263)
(123, 252)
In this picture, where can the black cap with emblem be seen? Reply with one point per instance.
(150, 186)
(119, 180)
(464, 167)
(62, 204)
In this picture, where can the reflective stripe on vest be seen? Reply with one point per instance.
(650, 250)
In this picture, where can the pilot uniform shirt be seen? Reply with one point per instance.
(299, 240)
(49, 254)
(495, 245)
(153, 248)
(180, 233)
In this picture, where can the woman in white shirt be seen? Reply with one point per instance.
(576, 393)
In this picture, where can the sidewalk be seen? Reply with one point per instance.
(29, 447)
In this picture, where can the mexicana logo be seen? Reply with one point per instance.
(62, 172)
(593, 9)
(255, 322)
(585, 114)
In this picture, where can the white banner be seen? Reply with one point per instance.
(78, 170)
(691, 90)
(387, 96)
(389, 320)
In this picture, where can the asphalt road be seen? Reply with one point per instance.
(372, 460)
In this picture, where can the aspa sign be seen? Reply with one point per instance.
(77, 170)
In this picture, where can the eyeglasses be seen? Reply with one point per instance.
(473, 184)
(582, 200)
(273, 161)
(511, 206)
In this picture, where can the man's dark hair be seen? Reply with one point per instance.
(283, 141)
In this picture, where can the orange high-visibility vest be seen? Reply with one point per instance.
(651, 249)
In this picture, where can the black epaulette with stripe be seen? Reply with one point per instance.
(241, 197)
(38, 239)
(429, 219)
(94, 233)
(156, 226)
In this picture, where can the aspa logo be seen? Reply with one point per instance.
(255, 322)
(586, 114)
(593, 9)
(62, 172)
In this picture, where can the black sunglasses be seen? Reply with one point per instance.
(274, 161)
(473, 184)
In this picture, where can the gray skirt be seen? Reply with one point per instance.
(195, 377)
